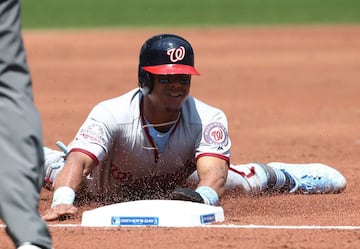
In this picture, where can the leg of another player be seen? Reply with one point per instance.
(21, 153)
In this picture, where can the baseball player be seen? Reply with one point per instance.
(21, 152)
(249, 179)
(148, 143)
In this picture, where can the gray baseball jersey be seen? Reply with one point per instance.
(116, 136)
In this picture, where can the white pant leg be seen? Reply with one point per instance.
(249, 178)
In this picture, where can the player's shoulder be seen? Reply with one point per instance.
(116, 106)
(125, 99)
(200, 106)
(197, 109)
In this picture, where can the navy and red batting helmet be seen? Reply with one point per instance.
(164, 54)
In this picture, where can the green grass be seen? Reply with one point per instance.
(142, 13)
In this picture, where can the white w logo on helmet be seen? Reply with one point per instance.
(176, 54)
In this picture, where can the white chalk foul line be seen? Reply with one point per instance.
(234, 226)
(250, 226)
(284, 227)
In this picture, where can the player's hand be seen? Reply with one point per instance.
(61, 212)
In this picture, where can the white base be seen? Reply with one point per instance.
(166, 213)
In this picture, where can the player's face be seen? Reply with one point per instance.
(170, 91)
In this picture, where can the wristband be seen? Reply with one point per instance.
(208, 194)
(63, 195)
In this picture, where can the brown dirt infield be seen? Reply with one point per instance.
(291, 95)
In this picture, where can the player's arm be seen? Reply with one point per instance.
(211, 174)
(78, 165)
(212, 159)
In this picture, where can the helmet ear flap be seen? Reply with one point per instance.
(145, 81)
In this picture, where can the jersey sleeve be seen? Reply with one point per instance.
(215, 140)
(95, 135)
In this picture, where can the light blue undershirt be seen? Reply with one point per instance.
(160, 138)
